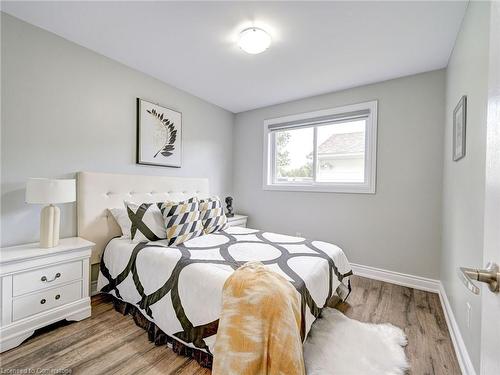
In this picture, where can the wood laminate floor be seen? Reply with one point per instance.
(110, 343)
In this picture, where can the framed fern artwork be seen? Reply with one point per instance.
(159, 131)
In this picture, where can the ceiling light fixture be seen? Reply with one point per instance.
(254, 40)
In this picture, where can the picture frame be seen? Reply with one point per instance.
(159, 135)
(459, 128)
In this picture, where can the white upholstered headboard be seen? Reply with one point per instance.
(96, 192)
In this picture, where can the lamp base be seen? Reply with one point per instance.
(49, 226)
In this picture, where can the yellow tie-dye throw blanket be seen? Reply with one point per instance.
(259, 328)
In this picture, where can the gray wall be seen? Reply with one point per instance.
(66, 109)
(463, 181)
(399, 227)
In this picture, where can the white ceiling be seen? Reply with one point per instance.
(318, 47)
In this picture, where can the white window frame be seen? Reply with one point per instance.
(369, 184)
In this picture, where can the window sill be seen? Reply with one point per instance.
(344, 188)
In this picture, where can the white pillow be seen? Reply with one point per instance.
(146, 221)
(121, 217)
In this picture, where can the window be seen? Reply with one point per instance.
(332, 150)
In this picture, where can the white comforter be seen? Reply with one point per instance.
(180, 288)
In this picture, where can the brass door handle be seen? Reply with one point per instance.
(490, 275)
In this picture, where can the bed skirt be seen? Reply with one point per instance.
(158, 337)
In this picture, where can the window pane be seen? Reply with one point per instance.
(294, 155)
(341, 152)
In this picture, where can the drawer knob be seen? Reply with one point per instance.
(44, 278)
(58, 296)
(43, 301)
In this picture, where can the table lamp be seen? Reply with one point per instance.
(50, 192)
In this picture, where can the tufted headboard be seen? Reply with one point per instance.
(96, 192)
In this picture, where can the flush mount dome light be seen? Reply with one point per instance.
(254, 40)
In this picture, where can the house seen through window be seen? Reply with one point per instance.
(334, 152)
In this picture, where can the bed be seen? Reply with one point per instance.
(175, 292)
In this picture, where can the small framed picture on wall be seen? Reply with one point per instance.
(459, 125)
(159, 131)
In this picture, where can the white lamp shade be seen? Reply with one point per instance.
(48, 191)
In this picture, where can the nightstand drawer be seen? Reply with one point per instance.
(238, 223)
(45, 300)
(46, 277)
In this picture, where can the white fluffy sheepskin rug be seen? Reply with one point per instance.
(338, 345)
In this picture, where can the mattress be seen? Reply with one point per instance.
(180, 288)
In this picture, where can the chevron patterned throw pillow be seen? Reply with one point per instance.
(182, 220)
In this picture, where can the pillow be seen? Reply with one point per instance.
(212, 215)
(121, 217)
(146, 221)
(182, 220)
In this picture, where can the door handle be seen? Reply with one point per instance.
(489, 275)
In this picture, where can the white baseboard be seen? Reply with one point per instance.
(411, 281)
(456, 337)
(429, 285)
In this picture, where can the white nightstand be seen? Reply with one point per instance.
(237, 221)
(41, 286)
